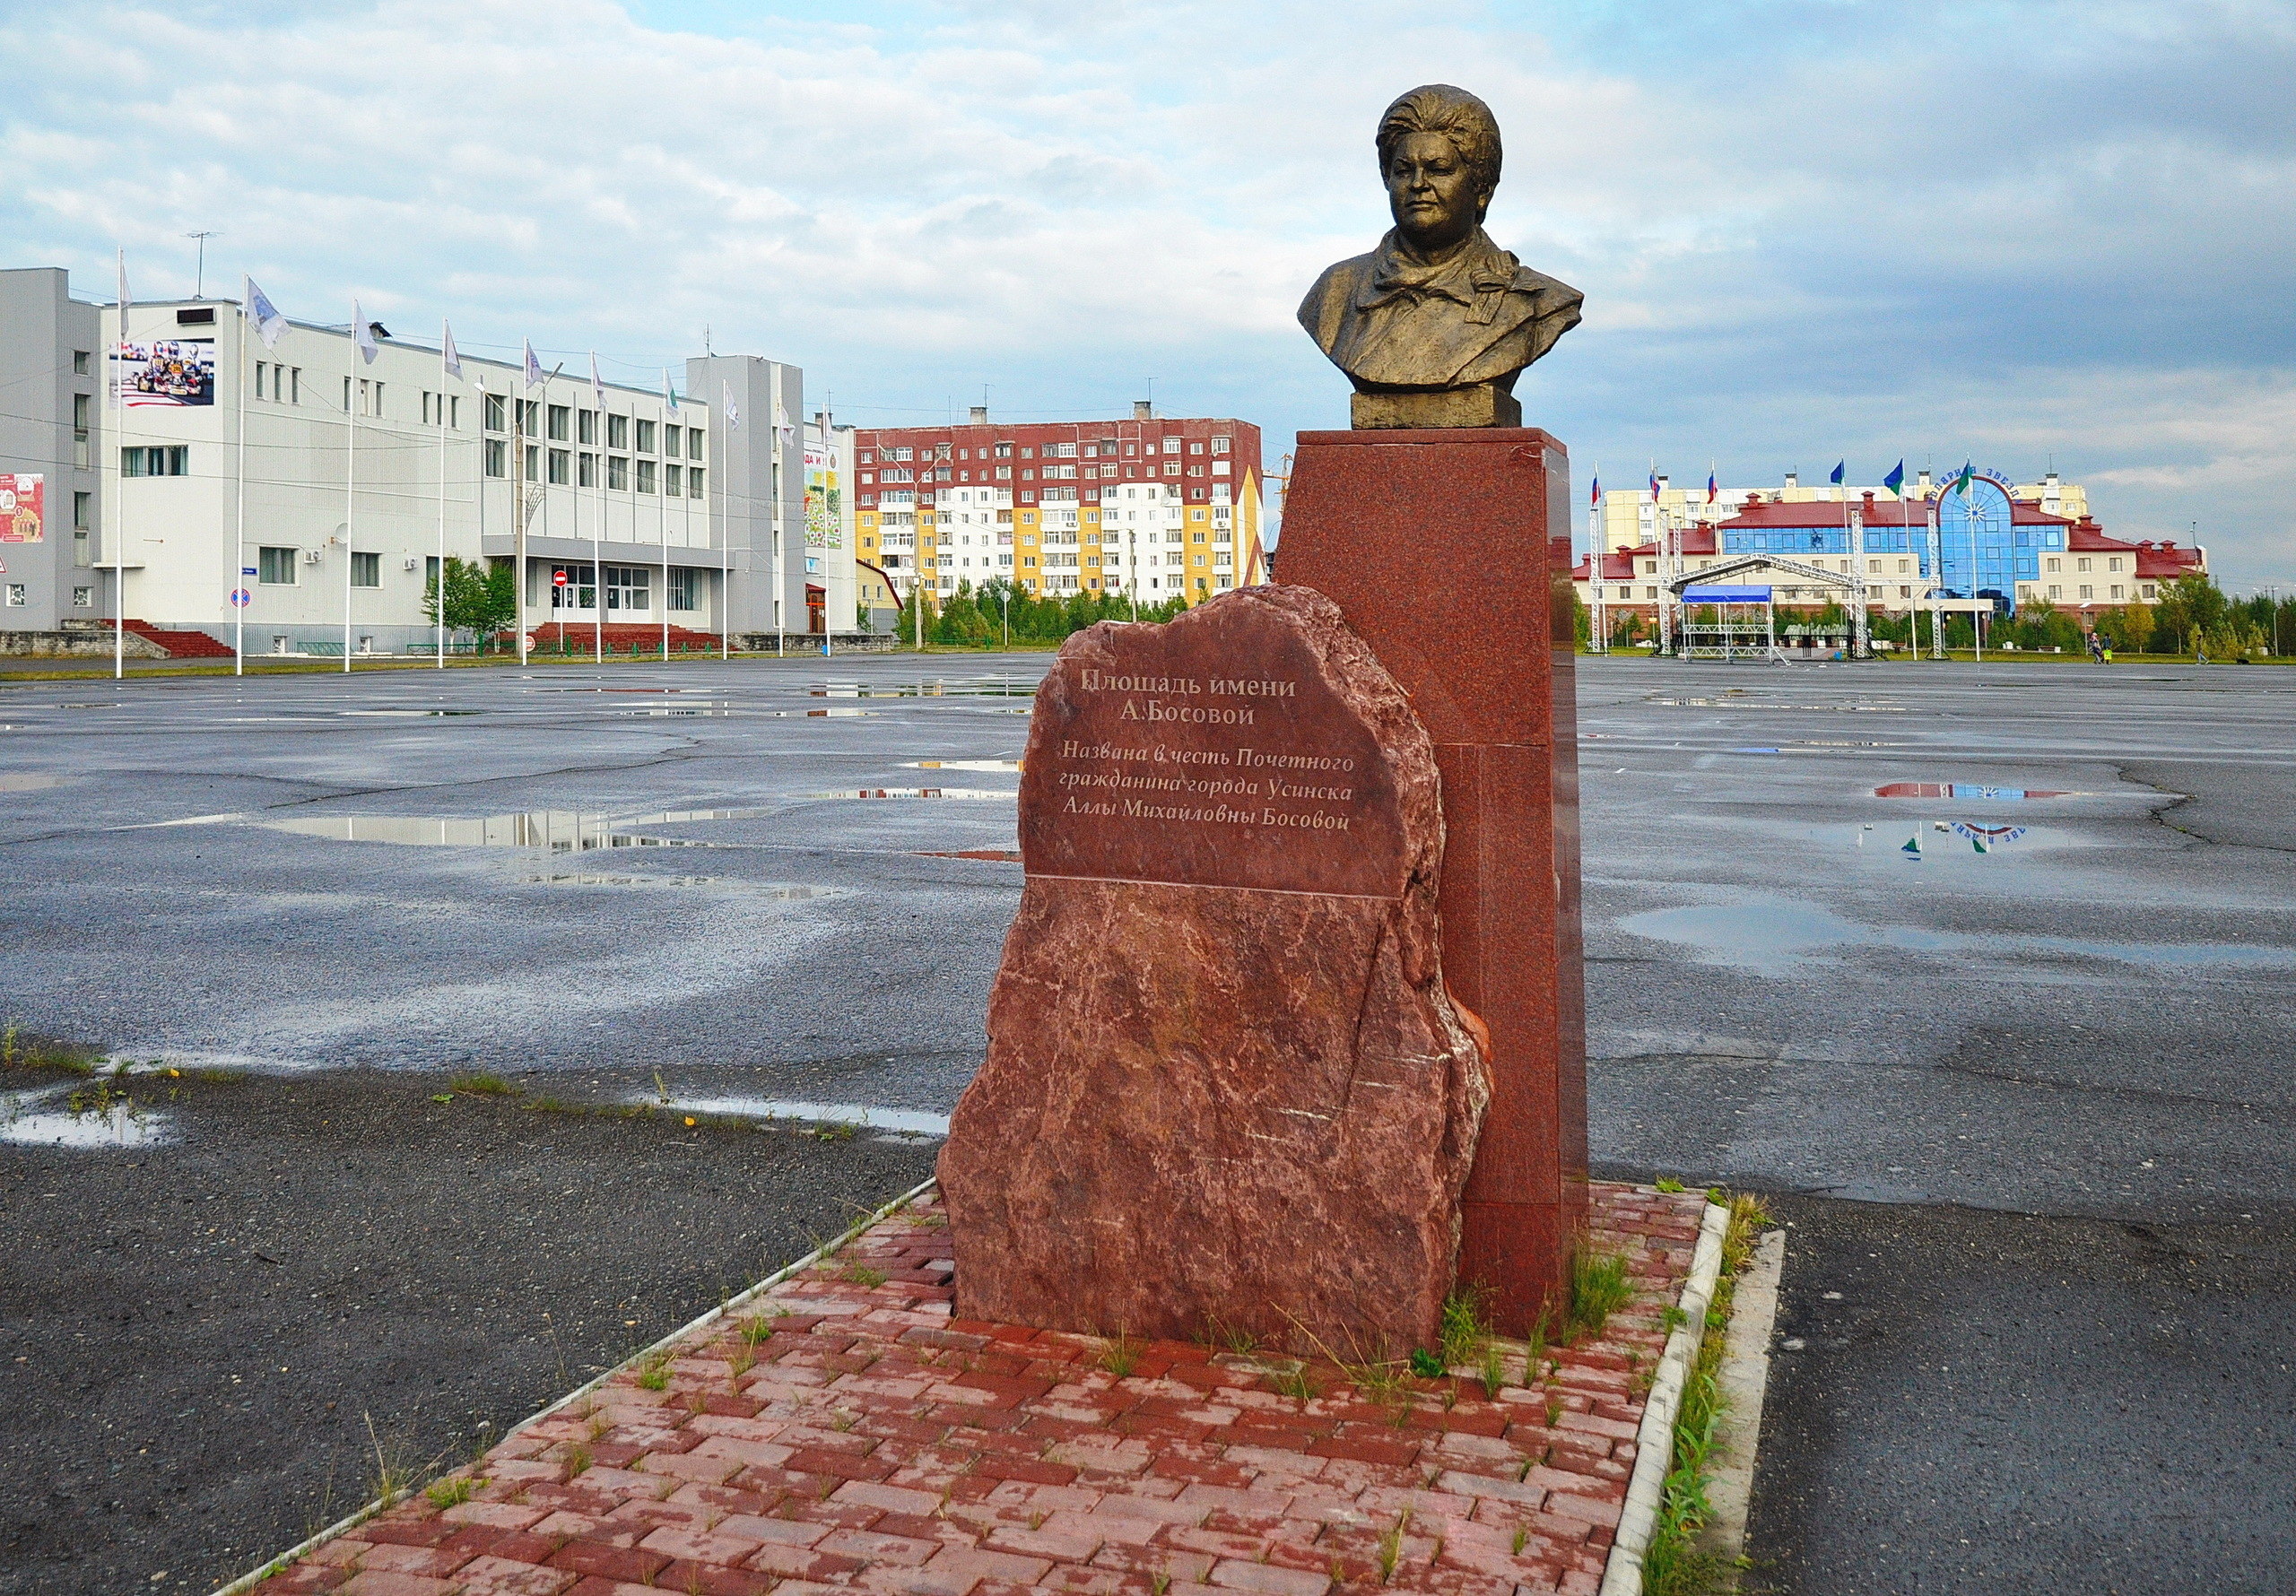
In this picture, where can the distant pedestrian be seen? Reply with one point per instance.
(2200, 656)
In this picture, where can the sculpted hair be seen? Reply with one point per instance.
(1458, 116)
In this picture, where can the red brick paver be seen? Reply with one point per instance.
(846, 1434)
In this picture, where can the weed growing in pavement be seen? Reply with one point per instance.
(577, 1456)
(661, 1088)
(743, 1357)
(1494, 1371)
(1521, 1535)
(1553, 1410)
(1666, 1183)
(861, 1274)
(1673, 1318)
(393, 1473)
(1391, 1546)
(216, 1075)
(1426, 1364)
(1158, 1582)
(1300, 1384)
(481, 1083)
(1598, 1288)
(1466, 1328)
(453, 1492)
(19, 1051)
(1120, 1356)
(1673, 1565)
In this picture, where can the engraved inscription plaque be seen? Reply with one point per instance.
(1225, 1083)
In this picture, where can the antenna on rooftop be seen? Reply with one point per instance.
(199, 281)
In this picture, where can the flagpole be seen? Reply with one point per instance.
(661, 506)
(119, 554)
(438, 626)
(350, 472)
(239, 559)
(780, 577)
(518, 489)
(597, 529)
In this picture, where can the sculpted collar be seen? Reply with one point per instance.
(1477, 277)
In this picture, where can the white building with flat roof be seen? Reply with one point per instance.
(306, 491)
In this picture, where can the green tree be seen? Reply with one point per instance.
(961, 621)
(480, 598)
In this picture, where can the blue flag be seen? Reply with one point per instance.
(1895, 480)
(1838, 468)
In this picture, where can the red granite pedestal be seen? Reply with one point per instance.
(1450, 552)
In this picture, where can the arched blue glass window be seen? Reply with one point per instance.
(1977, 542)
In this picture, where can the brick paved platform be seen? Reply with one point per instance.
(843, 1432)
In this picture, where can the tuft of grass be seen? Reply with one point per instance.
(742, 1358)
(1391, 1546)
(1667, 1184)
(481, 1083)
(1120, 1356)
(550, 1105)
(861, 1274)
(654, 1371)
(576, 1458)
(1494, 1371)
(1299, 1384)
(21, 1050)
(1673, 1565)
(1521, 1535)
(1426, 1364)
(1466, 1328)
(452, 1493)
(393, 1472)
(1158, 1582)
(1598, 1288)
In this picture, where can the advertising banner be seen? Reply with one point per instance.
(171, 371)
(23, 508)
(824, 498)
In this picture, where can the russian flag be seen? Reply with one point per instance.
(1710, 488)
(1654, 484)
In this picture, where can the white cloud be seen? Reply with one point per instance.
(1801, 230)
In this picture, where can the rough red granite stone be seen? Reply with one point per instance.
(1224, 1085)
(1479, 636)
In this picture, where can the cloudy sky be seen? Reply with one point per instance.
(2016, 234)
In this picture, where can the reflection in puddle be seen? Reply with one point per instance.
(1762, 704)
(591, 880)
(913, 793)
(559, 831)
(827, 1113)
(1778, 936)
(405, 714)
(962, 764)
(999, 856)
(120, 1125)
(963, 687)
(1962, 789)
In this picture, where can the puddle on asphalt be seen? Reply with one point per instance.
(122, 1124)
(1780, 936)
(997, 855)
(557, 831)
(28, 784)
(913, 793)
(1962, 789)
(593, 881)
(404, 714)
(960, 687)
(858, 1114)
(1765, 704)
(962, 764)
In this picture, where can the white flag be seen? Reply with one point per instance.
(732, 411)
(123, 277)
(598, 386)
(449, 357)
(534, 367)
(268, 323)
(669, 394)
(362, 335)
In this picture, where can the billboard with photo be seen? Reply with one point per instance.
(23, 508)
(167, 371)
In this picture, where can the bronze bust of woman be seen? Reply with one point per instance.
(1434, 325)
